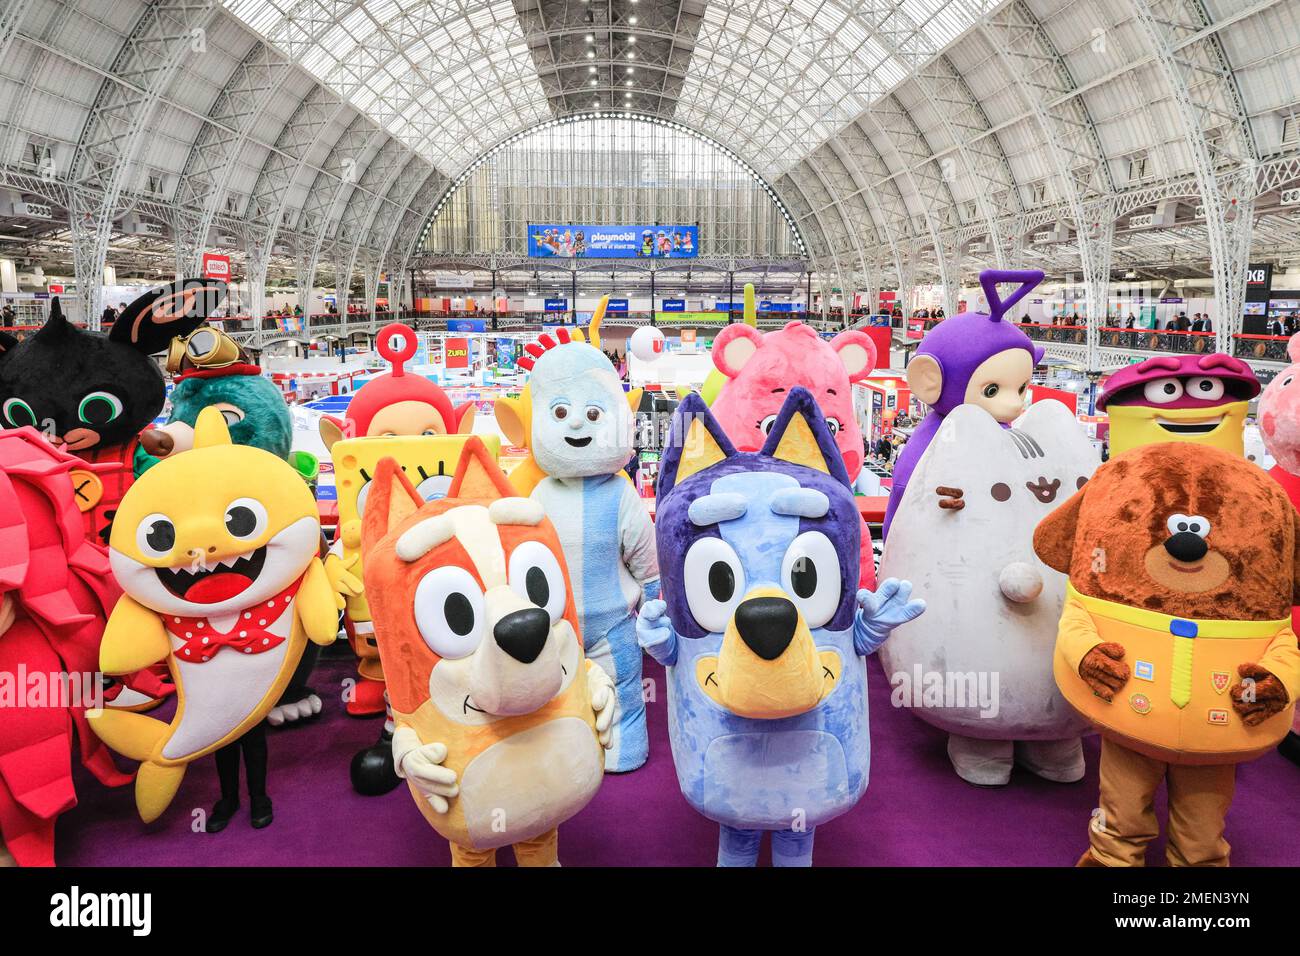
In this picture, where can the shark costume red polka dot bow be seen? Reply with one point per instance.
(250, 633)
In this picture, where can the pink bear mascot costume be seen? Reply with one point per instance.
(1279, 424)
(762, 368)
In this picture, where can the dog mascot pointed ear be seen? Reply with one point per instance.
(695, 442)
(800, 436)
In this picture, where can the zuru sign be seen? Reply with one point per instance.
(456, 353)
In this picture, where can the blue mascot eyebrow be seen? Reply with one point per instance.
(801, 503)
(723, 506)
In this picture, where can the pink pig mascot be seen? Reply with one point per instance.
(762, 368)
(1279, 424)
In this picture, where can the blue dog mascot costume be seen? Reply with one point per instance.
(581, 438)
(761, 630)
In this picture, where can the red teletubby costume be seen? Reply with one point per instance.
(56, 590)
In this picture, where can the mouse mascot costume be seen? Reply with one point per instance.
(964, 535)
(760, 368)
(581, 438)
(763, 629)
(55, 594)
(1176, 638)
(500, 720)
(971, 358)
(217, 553)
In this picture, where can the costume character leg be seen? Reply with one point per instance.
(1060, 761)
(619, 656)
(792, 847)
(541, 850)
(253, 744)
(985, 763)
(228, 775)
(1199, 798)
(737, 847)
(1127, 818)
(372, 770)
(464, 856)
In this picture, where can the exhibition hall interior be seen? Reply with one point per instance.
(649, 433)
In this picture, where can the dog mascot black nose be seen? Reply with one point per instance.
(767, 625)
(522, 634)
(1185, 546)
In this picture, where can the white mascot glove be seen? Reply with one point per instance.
(600, 691)
(422, 765)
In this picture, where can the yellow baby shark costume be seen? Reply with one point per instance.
(217, 552)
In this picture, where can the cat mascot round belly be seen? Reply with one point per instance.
(978, 664)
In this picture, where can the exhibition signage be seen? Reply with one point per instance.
(456, 353)
(616, 305)
(556, 305)
(466, 325)
(692, 318)
(673, 305)
(216, 266)
(551, 241)
(506, 354)
(1259, 276)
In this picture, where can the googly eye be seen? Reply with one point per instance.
(560, 412)
(448, 610)
(1206, 387)
(432, 488)
(767, 423)
(18, 413)
(833, 425)
(99, 408)
(1162, 391)
(1181, 523)
(714, 583)
(810, 572)
(535, 575)
(594, 413)
(246, 518)
(155, 536)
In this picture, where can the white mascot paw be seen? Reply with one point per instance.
(422, 765)
(601, 691)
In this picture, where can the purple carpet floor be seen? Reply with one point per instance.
(916, 811)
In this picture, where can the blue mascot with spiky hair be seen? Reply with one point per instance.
(762, 629)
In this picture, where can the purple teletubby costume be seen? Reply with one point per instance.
(960, 345)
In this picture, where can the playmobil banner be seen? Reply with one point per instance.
(613, 242)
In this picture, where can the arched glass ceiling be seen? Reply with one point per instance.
(782, 76)
(612, 170)
(446, 77)
(775, 78)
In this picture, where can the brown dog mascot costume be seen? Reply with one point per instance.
(1176, 637)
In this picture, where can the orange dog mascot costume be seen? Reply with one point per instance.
(500, 719)
(1176, 637)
